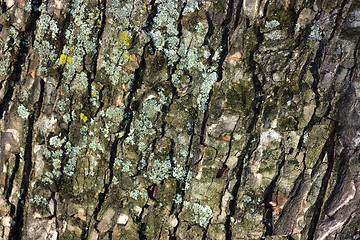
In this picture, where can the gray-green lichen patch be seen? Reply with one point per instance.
(23, 112)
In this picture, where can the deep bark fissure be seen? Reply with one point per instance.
(107, 185)
(16, 230)
(268, 209)
(102, 196)
(4, 105)
(315, 67)
(102, 16)
(210, 31)
(224, 43)
(182, 189)
(223, 54)
(232, 204)
(238, 14)
(172, 71)
(16, 74)
(148, 24)
(256, 106)
(9, 186)
(53, 197)
(141, 232)
(329, 149)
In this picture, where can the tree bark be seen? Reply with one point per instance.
(169, 119)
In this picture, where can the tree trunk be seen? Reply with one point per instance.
(169, 119)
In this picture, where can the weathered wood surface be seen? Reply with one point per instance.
(169, 119)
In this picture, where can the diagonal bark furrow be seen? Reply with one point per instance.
(10, 182)
(256, 106)
(4, 105)
(231, 139)
(53, 197)
(248, 151)
(205, 119)
(268, 210)
(315, 68)
(9, 185)
(107, 185)
(141, 231)
(238, 14)
(172, 71)
(102, 7)
(15, 76)
(34, 15)
(224, 164)
(232, 204)
(225, 39)
(148, 24)
(102, 196)
(20, 211)
(19, 221)
(224, 45)
(329, 149)
(205, 230)
(349, 220)
(181, 189)
(124, 125)
(210, 31)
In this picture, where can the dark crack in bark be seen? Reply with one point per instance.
(329, 149)
(270, 190)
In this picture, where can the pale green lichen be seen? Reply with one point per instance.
(202, 214)
(272, 24)
(150, 108)
(89, 171)
(62, 103)
(188, 180)
(115, 115)
(82, 80)
(246, 198)
(178, 198)
(56, 141)
(66, 118)
(23, 112)
(60, 149)
(127, 168)
(209, 80)
(6, 48)
(73, 154)
(38, 200)
(45, 25)
(95, 145)
(160, 171)
(142, 128)
(137, 193)
(117, 163)
(179, 173)
(94, 96)
(81, 42)
(115, 180)
(315, 33)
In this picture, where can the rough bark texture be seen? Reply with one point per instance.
(169, 119)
